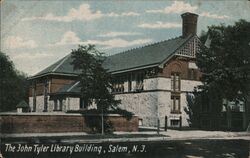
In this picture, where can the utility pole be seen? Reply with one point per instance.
(158, 125)
(102, 122)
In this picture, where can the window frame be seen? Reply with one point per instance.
(175, 109)
(176, 121)
(82, 104)
(175, 87)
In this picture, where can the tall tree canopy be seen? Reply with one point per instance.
(225, 64)
(13, 84)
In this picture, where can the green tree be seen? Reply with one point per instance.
(95, 84)
(13, 85)
(193, 109)
(225, 64)
(95, 81)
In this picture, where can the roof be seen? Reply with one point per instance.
(62, 66)
(153, 54)
(147, 56)
(22, 104)
(70, 88)
(74, 87)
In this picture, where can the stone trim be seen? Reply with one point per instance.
(155, 90)
(54, 113)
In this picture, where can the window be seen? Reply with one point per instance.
(129, 82)
(83, 104)
(58, 105)
(175, 82)
(234, 105)
(192, 74)
(140, 122)
(118, 84)
(55, 105)
(175, 104)
(139, 81)
(175, 123)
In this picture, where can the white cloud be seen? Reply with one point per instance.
(115, 34)
(83, 13)
(19, 42)
(69, 38)
(176, 7)
(118, 43)
(213, 16)
(112, 14)
(160, 25)
(31, 56)
(181, 7)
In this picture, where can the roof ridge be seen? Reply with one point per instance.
(151, 44)
(65, 58)
(73, 86)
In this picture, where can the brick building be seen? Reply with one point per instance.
(151, 81)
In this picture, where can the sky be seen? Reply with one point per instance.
(37, 33)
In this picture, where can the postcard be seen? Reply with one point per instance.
(125, 78)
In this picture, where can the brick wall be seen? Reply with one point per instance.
(57, 84)
(35, 123)
(179, 65)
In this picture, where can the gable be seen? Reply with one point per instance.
(189, 49)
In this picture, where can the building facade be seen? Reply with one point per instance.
(151, 81)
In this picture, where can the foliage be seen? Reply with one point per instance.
(13, 85)
(95, 124)
(193, 109)
(226, 63)
(95, 83)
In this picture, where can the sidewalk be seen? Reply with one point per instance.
(196, 134)
(132, 136)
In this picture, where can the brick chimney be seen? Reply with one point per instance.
(189, 24)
